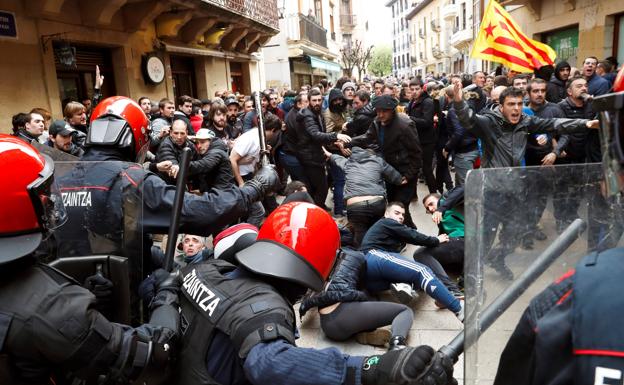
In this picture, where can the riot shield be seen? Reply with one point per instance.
(512, 216)
(103, 233)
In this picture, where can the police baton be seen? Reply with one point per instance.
(264, 155)
(466, 338)
(177, 208)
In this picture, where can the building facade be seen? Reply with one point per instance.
(307, 48)
(574, 29)
(430, 49)
(144, 48)
(401, 37)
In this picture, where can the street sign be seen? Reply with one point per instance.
(8, 25)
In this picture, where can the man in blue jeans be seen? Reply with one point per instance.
(384, 265)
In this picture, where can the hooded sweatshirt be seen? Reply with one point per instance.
(556, 87)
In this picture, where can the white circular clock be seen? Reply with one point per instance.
(154, 69)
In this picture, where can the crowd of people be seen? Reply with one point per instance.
(369, 143)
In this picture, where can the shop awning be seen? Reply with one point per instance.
(324, 64)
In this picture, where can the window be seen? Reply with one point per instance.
(318, 11)
(331, 26)
(393, 11)
(463, 15)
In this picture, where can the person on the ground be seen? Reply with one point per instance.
(51, 330)
(395, 137)
(346, 309)
(242, 316)
(385, 265)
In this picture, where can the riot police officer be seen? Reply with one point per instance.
(572, 333)
(238, 323)
(110, 198)
(49, 331)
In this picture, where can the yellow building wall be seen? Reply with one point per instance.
(594, 20)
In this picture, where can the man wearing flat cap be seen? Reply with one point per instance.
(395, 137)
(61, 138)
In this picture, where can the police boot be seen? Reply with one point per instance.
(397, 343)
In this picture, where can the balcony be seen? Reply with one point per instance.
(260, 11)
(435, 25)
(461, 38)
(301, 27)
(422, 34)
(437, 52)
(347, 21)
(450, 11)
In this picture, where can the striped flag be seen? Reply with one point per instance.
(501, 40)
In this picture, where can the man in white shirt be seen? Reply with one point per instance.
(245, 156)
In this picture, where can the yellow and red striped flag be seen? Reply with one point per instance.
(501, 40)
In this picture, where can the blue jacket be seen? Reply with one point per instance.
(597, 85)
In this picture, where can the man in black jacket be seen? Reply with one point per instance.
(395, 136)
(421, 111)
(556, 89)
(171, 148)
(311, 136)
(503, 135)
(211, 168)
(286, 152)
(362, 117)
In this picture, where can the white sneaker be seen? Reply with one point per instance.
(460, 313)
(402, 292)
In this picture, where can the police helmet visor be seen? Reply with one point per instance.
(110, 129)
(46, 198)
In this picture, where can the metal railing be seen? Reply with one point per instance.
(347, 20)
(311, 30)
(261, 11)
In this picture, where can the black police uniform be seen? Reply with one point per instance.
(571, 333)
(246, 310)
(50, 333)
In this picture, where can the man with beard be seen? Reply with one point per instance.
(61, 135)
(171, 148)
(234, 125)
(421, 111)
(287, 152)
(335, 118)
(556, 88)
(218, 117)
(539, 152)
(311, 135)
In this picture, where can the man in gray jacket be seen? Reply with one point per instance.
(503, 133)
(365, 188)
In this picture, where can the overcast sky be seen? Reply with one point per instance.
(379, 23)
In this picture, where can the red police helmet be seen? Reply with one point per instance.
(31, 205)
(298, 242)
(119, 121)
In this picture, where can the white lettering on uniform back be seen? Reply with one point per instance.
(200, 293)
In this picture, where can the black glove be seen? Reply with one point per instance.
(151, 284)
(420, 365)
(102, 288)
(265, 181)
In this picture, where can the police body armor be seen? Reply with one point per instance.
(103, 233)
(598, 309)
(248, 310)
(38, 340)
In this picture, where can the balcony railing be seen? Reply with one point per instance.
(422, 33)
(348, 21)
(450, 11)
(261, 11)
(437, 52)
(461, 37)
(312, 31)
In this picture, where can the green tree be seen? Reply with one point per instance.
(381, 62)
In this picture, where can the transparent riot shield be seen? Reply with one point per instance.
(512, 216)
(103, 233)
